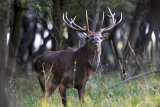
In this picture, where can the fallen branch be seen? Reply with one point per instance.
(132, 78)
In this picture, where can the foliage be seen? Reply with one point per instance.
(125, 6)
(24, 3)
(44, 5)
(143, 92)
(78, 7)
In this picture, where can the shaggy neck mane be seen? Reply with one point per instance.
(88, 56)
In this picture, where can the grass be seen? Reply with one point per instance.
(142, 92)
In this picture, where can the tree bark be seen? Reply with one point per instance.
(15, 36)
(128, 56)
(135, 24)
(58, 25)
(4, 27)
(96, 15)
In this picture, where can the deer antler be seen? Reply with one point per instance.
(114, 23)
(70, 23)
(87, 25)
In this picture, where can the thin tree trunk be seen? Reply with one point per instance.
(15, 36)
(4, 27)
(96, 15)
(135, 25)
(138, 16)
(58, 25)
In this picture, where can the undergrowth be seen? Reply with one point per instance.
(142, 92)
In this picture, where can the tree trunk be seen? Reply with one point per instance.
(15, 36)
(96, 15)
(128, 56)
(4, 27)
(58, 25)
(135, 25)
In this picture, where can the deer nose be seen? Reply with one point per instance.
(95, 40)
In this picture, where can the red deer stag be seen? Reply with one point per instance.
(71, 69)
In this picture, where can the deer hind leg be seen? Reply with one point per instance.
(62, 90)
(50, 89)
(42, 85)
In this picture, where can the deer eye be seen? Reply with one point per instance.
(102, 38)
(87, 38)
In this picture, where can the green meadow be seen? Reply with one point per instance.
(142, 92)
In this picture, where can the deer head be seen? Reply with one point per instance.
(94, 38)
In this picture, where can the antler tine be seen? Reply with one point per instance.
(67, 20)
(102, 21)
(119, 19)
(87, 25)
(63, 18)
(72, 20)
(114, 23)
(71, 23)
(111, 15)
(79, 26)
(109, 11)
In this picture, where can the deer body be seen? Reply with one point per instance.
(71, 68)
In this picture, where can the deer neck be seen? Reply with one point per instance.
(88, 56)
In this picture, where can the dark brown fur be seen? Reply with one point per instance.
(85, 61)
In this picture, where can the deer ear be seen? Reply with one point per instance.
(105, 36)
(81, 35)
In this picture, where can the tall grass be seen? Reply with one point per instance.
(143, 92)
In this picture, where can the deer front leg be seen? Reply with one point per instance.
(62, 90)
(81, 92)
